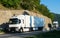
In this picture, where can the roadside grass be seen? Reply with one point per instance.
(1, 31)
(50, 34)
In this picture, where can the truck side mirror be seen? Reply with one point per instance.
(19, 21)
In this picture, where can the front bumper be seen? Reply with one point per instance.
(13, 29)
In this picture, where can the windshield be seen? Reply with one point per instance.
(55, 23)
(14, 21)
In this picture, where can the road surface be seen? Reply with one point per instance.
(19, 35)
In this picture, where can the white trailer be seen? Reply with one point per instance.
(25, 23)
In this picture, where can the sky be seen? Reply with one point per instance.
(53, 5)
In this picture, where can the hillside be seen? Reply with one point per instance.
(6, 14)
(10, 7)
(26, 5)
(33, 7)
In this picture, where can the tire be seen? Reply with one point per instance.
(30, 29)
(21, 30)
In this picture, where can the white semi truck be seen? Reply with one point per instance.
(22, 23)
(55, 24)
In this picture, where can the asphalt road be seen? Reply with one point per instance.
(19, 35)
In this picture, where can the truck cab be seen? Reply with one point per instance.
(15, 23)
(55, 24)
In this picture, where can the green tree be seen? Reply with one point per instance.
(29, 4)
(45, 11)
(10, 3)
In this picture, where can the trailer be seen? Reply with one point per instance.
(22, 23)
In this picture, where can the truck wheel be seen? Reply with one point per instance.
(21, 30)
(30, 29)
